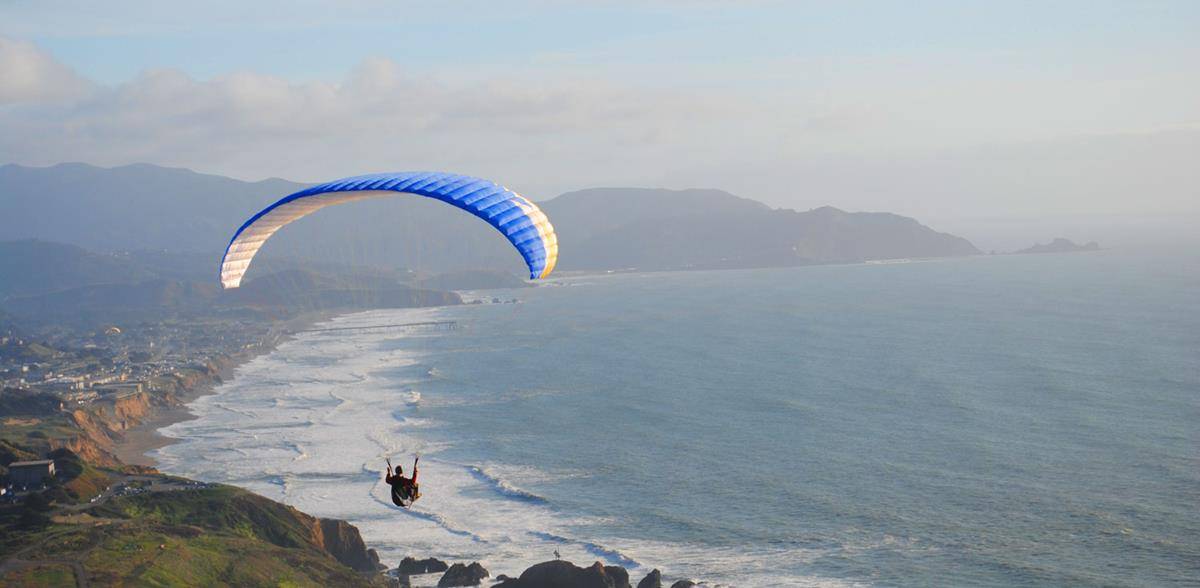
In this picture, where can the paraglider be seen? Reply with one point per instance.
(405, 491)
(518, 219)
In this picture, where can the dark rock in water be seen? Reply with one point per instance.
(460, 575)
(652, 580)
(564, 574)
(619, 576)
(683, 584)
(431, 565)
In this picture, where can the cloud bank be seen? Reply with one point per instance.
(881, 137)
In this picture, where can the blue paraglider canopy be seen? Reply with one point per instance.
(518, 219)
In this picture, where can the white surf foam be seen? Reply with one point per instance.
(311, 424)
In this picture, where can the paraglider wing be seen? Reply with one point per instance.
(518, 219)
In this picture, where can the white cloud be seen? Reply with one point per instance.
(380, 117)
(864, 138)
(28, 74)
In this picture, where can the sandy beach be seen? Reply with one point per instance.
(144, 438)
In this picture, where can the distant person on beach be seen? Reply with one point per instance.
(405, 491)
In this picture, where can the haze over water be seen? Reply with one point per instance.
(1015, 420)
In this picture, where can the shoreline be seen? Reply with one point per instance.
(145, 437)
(142, 438)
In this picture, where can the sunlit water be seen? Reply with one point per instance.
(1028, 420)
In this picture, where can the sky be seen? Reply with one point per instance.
(958, 112)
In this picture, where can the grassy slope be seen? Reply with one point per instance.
(41, 575)
(220, 509)
(196, 537)
(210, 536)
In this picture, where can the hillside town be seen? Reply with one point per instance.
(80, 368)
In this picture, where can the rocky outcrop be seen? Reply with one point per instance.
(683, 584)
(460, 575)
(618, 575)
(343, 542)
(564, 574)
(411, 565)
(652, 580)
(101, 425)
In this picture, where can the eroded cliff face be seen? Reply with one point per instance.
(94, 443)
(343, 541)
(127, 412)
(101, 425)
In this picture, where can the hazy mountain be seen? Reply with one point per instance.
(31, 267)
(51, 283)
(138, 206)
(113, 302)
(586, 213)
(762, 238)
(191, 217)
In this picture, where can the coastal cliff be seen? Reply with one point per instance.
(342, 540)
(102, 522)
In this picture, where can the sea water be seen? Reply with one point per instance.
(1010, 420)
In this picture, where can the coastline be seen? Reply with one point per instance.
(137, 441)
(144, 437)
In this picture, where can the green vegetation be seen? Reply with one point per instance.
(137, 552)
(30, 436)
(78, 480)
(40, 575)
(171, 534)
(218, 508)
(98, 521)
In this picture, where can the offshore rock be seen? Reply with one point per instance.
(460, 575)
(430, 565)
(652, 580)
(619, 576)
(564, 574)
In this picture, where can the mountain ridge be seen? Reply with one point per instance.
(125, 208)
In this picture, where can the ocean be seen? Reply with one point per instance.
(991, 421)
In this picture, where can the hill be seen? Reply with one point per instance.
(172, 532)
(31, 266)
(761, 238)
(137, 206)
(98, 522)
(44, 283)
(149, 208)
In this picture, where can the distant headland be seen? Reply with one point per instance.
(1059, 245)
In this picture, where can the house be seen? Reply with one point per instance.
(30, 473)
